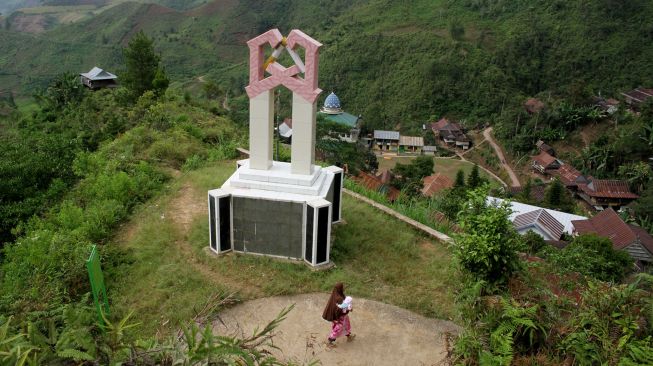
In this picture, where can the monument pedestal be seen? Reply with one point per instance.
(276, 213)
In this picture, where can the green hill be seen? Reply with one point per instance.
(393, 62)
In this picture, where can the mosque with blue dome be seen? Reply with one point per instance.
(332, 111)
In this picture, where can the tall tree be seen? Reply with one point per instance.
(460, 179)
(474, 178)
(143, 70)
(63, 90)
(554, 193)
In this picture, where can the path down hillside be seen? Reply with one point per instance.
(487, 133)
(385, 334)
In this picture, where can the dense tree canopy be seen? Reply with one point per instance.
(143, 70)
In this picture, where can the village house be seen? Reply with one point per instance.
(435, 183)
(543, 221)
(451, 133)
(98, 78)
(332, 111)
(540, 222)
(545, 163)
(533, 105)
(609, 106)
(569, 177)
(536, 195)
(429, 150)
(638, 96)
(373, 183)
(411, 144)
(386, 140)
(541, 146)
(604, 193)
(633, 239)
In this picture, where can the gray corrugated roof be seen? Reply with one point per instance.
(386, 135)
(411, 140)
(542, 219)
(97, 73)
(430, 148)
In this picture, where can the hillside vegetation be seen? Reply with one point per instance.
(393, 62)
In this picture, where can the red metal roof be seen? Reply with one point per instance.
(373, 183)
(537, 192)
(445, 124)
(543, 220)
(639, 94)
(533, 105)
(435, 183)
(609, 225)
(544, 159)
(568, 175)
(605, 188)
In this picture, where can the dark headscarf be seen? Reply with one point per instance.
(332, 311)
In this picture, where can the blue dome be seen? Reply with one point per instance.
(332, 101)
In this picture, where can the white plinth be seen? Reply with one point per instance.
(279, 183)
(279, 172)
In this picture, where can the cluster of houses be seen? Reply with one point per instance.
(554, 226)
(598, 193)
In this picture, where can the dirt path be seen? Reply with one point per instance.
(462, 157)
(502, 159)
(385, 334)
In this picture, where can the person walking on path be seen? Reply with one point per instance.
(337, 312)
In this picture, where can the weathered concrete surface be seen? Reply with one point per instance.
(385, 334)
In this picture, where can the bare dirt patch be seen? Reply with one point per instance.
(385, 334)
(185, 207)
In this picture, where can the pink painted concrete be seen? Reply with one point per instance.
(306, 87)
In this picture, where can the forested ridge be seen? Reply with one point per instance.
(392, 62)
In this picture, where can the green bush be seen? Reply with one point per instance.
(593, 256)
(488, 245)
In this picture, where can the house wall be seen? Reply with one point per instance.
(536, 231)
(637, 251)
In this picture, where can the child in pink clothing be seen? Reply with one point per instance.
(336, 311)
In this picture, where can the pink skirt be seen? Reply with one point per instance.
(340, 327)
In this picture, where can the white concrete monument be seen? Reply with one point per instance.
(269, 207)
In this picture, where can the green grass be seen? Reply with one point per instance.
(446, 166)
(167, 272)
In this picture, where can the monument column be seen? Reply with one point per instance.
(303, 135)
(261, 129)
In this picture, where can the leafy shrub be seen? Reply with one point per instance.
(488, 244)
(593, 256)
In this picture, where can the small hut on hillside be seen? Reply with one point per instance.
(98, 78)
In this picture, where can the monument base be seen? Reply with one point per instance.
(276, 213)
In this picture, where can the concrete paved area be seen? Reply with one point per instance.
(385, 334)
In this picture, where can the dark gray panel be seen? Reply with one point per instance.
(308, 255)
(225, 223)
(267, 227)
(322, 234)
(212, 228)
(335, 203)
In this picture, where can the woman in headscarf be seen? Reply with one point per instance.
(338, 317)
